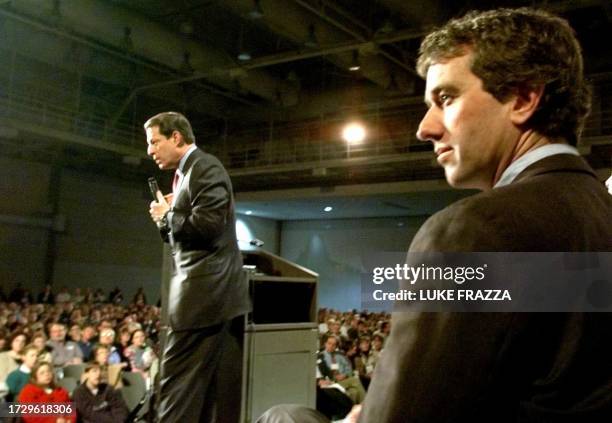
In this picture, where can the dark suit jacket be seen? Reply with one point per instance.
(505, 367)
(208, 285)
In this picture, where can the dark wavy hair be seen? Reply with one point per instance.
(516, 49)
(168, 122)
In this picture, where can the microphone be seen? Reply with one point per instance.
(154, 187)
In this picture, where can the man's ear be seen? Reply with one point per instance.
(526, 103)
(178, 138)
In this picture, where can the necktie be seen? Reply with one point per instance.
(175, 181)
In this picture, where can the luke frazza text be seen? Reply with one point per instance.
(429, 273)
(443, 295)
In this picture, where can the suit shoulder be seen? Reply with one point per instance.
(470, 224)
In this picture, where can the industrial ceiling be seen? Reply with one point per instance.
(266, 84)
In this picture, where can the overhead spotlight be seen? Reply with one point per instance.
(354, 133)
(355, 65)
(328, 209)
(311, 40)
(248, 212)
(256, 12)
(244, 56)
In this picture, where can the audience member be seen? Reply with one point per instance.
(39, 340)
(115, 296)
(63, 296)
(141, 356)
(46, 296)
(107, 338)
(19, 377)
(96, 401)
(63, 352)
(78, 297)
(86, 343)
(42, 389)
(363, 361)
(11, 360)
(335, 367)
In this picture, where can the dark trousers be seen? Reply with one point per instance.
(201, 374)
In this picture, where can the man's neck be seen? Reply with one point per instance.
(528, 141)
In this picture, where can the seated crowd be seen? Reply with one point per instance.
(350, 346)
(41, 344)
(77, 347)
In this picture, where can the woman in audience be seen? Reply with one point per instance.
(141, 356)
(42, 389)
(10, 360)
(363, 361)
(109, 373)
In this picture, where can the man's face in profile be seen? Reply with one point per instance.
(609, 184)
(470, 129)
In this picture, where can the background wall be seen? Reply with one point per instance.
(76, 230)
(335, 249)
(109, 239)
(24, 222)
(266, 230)
(80, 230)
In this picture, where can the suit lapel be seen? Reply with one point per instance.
(193, 157)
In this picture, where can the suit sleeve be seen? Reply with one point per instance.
(209, 201)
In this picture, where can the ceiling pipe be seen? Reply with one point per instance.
(355, 34)
(291, 20)
(106, 22)
(53, 50)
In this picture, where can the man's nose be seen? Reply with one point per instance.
(149, 150)
(431, 127)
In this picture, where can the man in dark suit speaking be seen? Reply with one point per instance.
(200, 379)
(506, 101)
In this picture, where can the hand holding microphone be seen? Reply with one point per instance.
(160, 205)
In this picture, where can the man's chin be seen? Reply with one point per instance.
(458, 181)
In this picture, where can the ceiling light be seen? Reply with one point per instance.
(248, 212)
(355, 65)
(244, 56)
(328, 209)
(354, 133)
(256, 12)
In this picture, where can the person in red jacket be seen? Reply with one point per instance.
(42, 390)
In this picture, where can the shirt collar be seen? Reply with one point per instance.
(25, 369)
(184, 158)
(531, 157)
